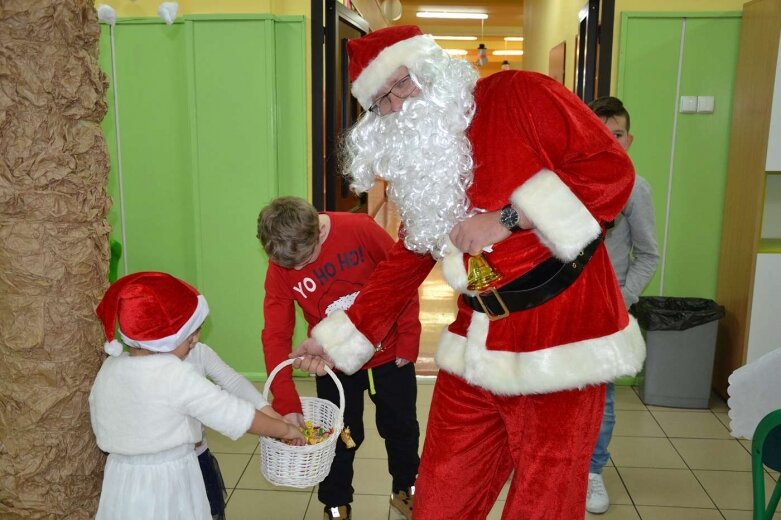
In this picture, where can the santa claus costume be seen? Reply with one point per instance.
(525, 391)
(147, 410)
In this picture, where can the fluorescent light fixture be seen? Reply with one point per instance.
(513, 38)
(456, 52)
(452, 15)
(456, 38)
(507, 53)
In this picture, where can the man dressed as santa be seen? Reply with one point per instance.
(516, 167)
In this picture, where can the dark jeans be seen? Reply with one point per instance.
(397, 423)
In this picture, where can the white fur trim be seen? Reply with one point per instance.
(112, 348)
(561, 221)
(564, 367)
(169, 343)
(454, 269)
(343, 342)
(376, 73)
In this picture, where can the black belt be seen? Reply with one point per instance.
(533, 288)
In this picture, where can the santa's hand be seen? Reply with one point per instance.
(400, 362)
(311, 357)
(478, 231)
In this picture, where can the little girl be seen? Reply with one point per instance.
(147, 407)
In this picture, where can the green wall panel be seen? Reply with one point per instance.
(291, 108)
(681, 155)
(649, 49)
(700, 168)
(236, 176)
(109, 131)
(212, 120)
(155, 149)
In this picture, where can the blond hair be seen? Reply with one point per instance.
(289, 231)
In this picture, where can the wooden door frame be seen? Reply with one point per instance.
(326, 15)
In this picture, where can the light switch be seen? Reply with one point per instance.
(688, 104)
(705, 104)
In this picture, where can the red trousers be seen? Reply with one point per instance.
(475, 439)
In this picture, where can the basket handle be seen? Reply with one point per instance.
(289, 362)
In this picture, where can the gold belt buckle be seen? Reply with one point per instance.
(491, 316)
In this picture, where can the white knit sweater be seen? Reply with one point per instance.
(147, 404)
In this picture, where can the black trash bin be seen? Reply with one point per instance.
(680, 338)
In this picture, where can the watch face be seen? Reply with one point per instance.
(509, 217)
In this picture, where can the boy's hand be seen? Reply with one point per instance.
(269, 410)
(311, 357)
(296, 419)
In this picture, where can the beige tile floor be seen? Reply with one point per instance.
(666, 464)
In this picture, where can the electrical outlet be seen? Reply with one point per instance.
(705, 104)
(688, 104)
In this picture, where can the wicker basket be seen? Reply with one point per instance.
(303, 466)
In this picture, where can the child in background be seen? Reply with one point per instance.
(147, 406)
(631, 246)
(321, 261)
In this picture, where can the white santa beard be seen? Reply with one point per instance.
(424, 154)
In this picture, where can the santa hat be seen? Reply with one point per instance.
(155, 312)
(374, 57)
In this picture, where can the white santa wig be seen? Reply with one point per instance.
(422, 151)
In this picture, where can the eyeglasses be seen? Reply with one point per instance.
(401, 90)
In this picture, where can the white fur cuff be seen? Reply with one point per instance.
(561, 221)
(347, 347)
(454, 269)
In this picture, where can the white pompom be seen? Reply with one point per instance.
(113, 347)
(167, 11)
(107, 14)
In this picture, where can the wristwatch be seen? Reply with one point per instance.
(508, 217)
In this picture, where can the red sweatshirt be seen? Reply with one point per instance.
(354, 246)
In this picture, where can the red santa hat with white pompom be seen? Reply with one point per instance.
(154, 311)
(374, 57)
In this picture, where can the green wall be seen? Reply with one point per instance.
(212, 126)
(683, 156)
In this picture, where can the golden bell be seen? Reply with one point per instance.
(480, 274)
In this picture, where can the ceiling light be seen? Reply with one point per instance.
(482, 57)
(452, 15)
(456, 52)
(456, 38)
(513, 38)
(507, 53)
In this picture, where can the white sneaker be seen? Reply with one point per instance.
(597, 501)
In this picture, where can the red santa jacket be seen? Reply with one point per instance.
(538, 146)
(353, 249)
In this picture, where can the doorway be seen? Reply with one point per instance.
(335, 110)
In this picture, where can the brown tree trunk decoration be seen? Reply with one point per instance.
(53, 256)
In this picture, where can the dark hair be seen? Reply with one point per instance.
(289, 230)
(608, 107)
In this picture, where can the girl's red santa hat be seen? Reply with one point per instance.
(155, 311)
(374, 57)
